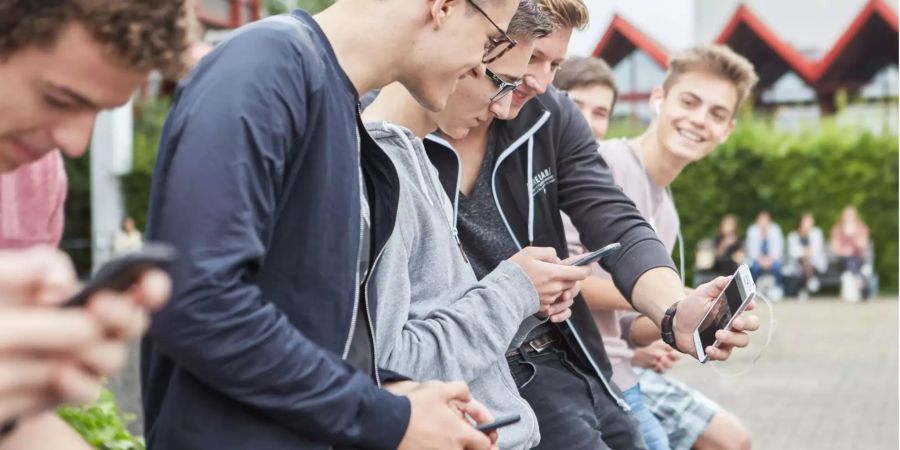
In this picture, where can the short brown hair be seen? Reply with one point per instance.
(566, 13)
(529, 22)
(718, 60)
(143, 34)
(585, 71)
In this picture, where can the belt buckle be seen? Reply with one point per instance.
(540, 346)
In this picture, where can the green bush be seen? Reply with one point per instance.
(149, 118)
(102, 425)
(820, 171)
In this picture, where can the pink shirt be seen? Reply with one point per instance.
(32, 200)
(658, 209)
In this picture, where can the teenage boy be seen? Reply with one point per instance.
(440, 322)
(61, 63)
(515, 176)
(590, 84)
(281, 204)
(707, 82)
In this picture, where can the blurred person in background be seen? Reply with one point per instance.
(62, 62)
(728, 247)
(806, 256)
(128, 239)
(765, 250)
(850, 242)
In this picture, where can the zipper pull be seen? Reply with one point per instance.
(459, 244)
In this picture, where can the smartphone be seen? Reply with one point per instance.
(597, 255)
(498, 423)
(730, 303)
(122, 272)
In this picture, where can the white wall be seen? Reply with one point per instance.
(669, 22)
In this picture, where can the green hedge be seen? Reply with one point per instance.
(102, 425)
(818, 170)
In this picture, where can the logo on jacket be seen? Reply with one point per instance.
(540, 181)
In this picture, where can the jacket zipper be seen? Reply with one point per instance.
(453, 228)
(358, 254)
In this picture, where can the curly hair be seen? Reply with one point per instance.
(142, 34)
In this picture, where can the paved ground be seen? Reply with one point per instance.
(829, 380)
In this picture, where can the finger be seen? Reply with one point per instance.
(104, 359)
(478, 412)
(545, 254)
(119, 317)
(75, 386)
(746, 323)
(25, 403)
(46, 330)
(152, 290)
(22, 373)
(471, 438)
(40, 276)
(718, 354)
(732, 338)
(559, 307)
(714, 287)
(570, 273)
(562, 316)
(453, 390)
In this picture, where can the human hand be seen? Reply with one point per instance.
(658, 357)
(691, 311)
(555, 283)
(438, 418)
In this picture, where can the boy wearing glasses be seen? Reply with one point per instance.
(440, 321)
(280, 204)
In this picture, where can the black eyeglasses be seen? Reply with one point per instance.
(503, 87)
(495, 47)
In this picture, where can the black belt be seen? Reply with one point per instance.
(537, 345)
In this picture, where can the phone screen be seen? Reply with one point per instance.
(720, 313)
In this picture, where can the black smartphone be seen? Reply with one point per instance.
(122, 272)
(498, 423)
(597, 255)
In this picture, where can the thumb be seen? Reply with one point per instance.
(545, 254)
(454, 390)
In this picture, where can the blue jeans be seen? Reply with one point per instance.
(756, 271)
(652, 431)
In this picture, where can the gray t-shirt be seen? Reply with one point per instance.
(658, 209)
(481, 229)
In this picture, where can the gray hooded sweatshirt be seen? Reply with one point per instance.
(435, 319)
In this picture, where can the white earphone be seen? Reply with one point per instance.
(657, 105)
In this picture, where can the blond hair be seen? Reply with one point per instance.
(718, 60)
(585, 71)
(566, 13)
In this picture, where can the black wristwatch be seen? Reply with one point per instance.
(665, 326)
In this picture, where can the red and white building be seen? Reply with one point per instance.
(805, 51)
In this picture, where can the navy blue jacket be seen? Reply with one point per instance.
(256, 184)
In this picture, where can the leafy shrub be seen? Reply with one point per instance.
(102, 425)
(787, 173)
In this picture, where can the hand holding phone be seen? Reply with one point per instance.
(123, 272)
(730, 303)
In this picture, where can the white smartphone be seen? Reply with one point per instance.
(730, 303)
